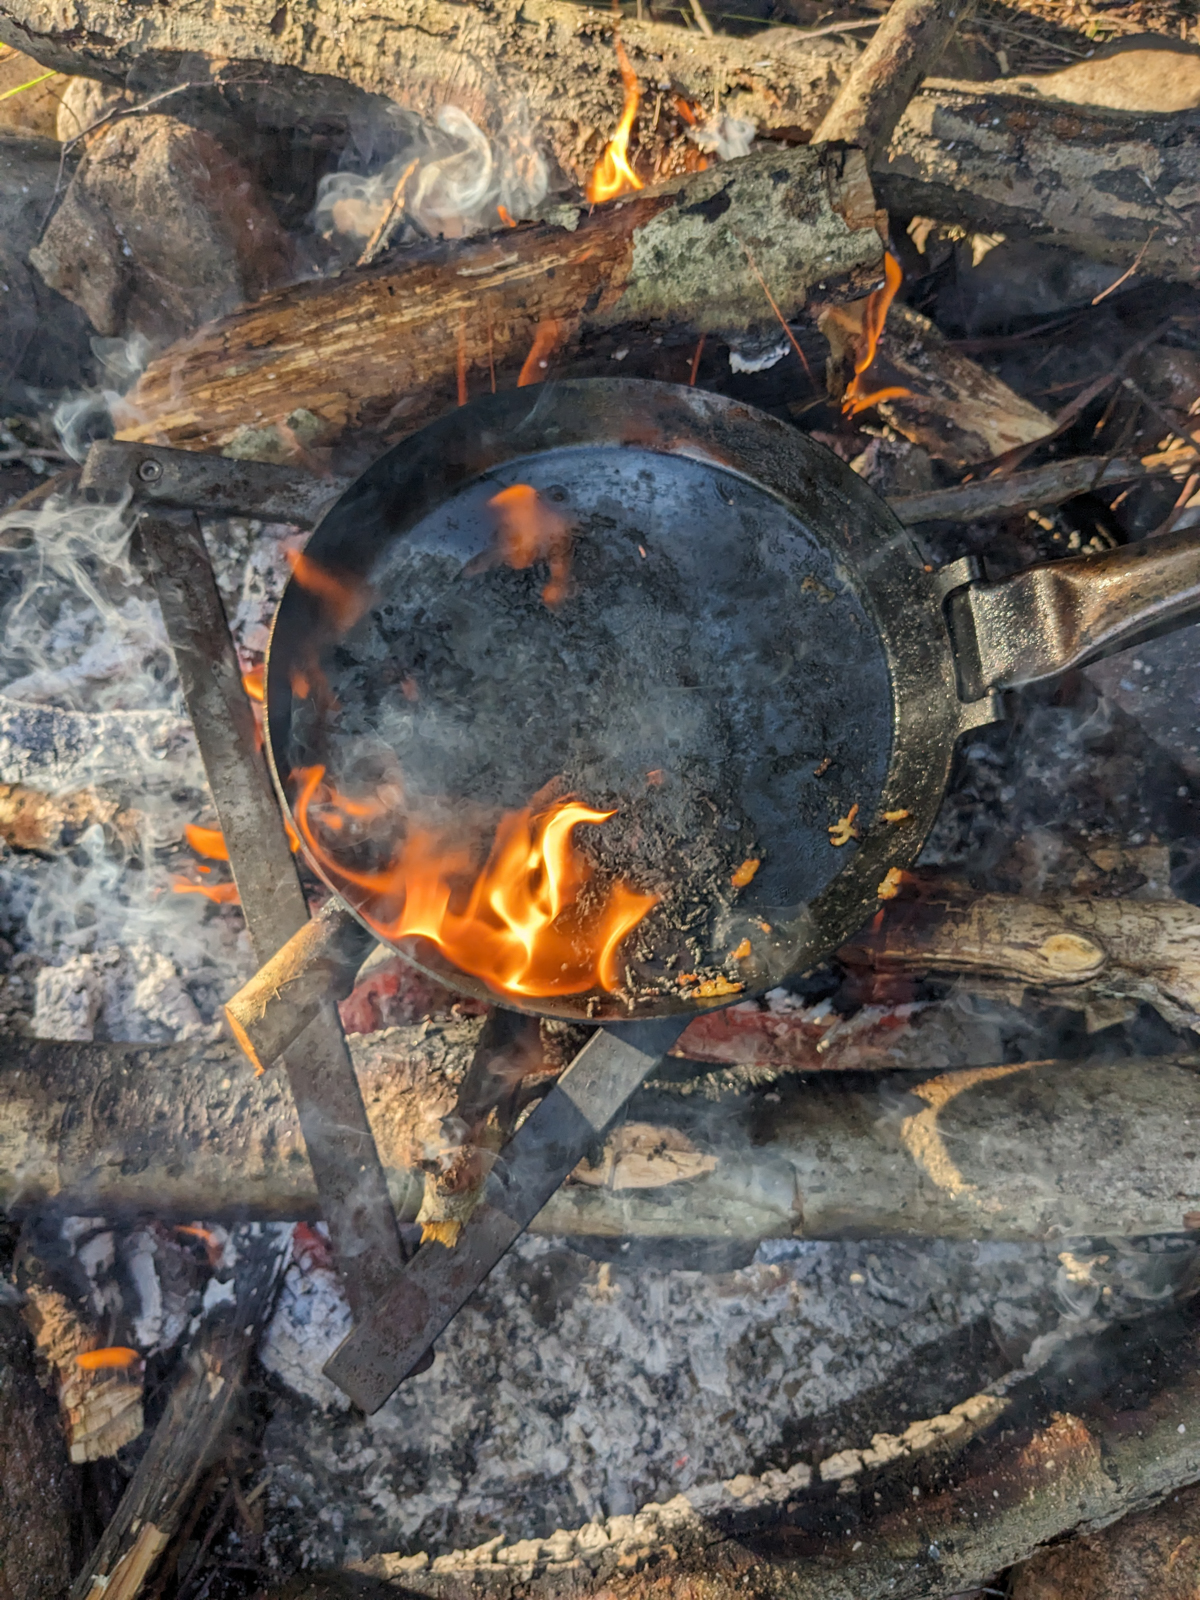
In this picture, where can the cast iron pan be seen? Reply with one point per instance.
(750, 646)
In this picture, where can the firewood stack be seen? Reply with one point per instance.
(956, 243)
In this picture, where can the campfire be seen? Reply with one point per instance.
(600, 966)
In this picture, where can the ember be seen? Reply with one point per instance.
(531, 922)
(612, 175)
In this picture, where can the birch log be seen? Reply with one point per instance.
(1011, 1151)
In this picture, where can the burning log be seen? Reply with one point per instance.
(876, 92)
(377, 347)
(1152, 1554)
(1018, 1151)
(1100, 181)
(934, 1511)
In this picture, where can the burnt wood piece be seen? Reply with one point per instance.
(337, 1135)
(905, 47)
(1098, 181)
(193, 1429)
(394, 1339)
(1107, 1426)
(318, 963)
(1008, 1151)
(1050, 485)
(378, 347)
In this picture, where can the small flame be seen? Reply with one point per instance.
(112, 1356)
(612, 175)
(345, 601)
(545, 337)
(522, 923)
(221, 894)
(505, 218)
(252, 683)
(878, 302)
(529, 531)
(207, 842)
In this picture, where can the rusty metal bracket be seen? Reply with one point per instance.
(341, 1147)
(209, 485)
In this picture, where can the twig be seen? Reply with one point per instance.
(696, 363)
(702, 21)
(1129, 271)
(1159, 415)
(1176, 511)
(1027, 491)
(377, 243)
(33, 83)
(775, 308)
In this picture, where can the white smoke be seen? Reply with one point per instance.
(458, 179)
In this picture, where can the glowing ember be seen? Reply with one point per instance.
(878, 302)
(523, 923)
(612, 175)
(529, 531)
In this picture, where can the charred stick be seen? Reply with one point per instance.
(1018, 1151)
(193, 1430)
(318, 963)
(1028, 491)
(337, 1134)
(875, 95)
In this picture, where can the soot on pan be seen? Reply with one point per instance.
(648, 634)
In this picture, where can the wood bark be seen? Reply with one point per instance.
(1007, 1151)
(1132, 949)
(381, 348)
(927, 1515)
(1154, 1555)
(906, 46)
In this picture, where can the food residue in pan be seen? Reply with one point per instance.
(843, 830)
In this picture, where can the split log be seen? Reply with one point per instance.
(1005, 1152)
(906, 46)
(1128, 949)
(381, 347)
(1050, 485)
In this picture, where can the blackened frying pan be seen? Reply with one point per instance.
(750, 647)
(746, 652)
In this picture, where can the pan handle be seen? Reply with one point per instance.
(1062, 614)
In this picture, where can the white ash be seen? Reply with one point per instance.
(127, 992)
(570, 1390)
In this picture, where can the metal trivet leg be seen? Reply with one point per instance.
(341, 1147)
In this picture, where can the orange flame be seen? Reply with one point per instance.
(252, 683)
(612, 175)
(545, 337)
(878, 302)
(207, 842)
(344, 601)
(113, 1355)
(529, 531)
(521, 923)
(221, 894)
